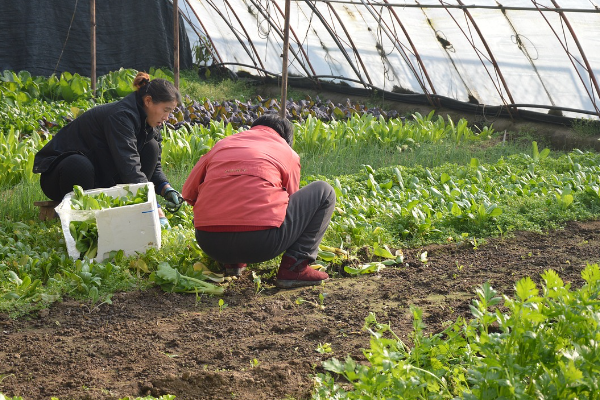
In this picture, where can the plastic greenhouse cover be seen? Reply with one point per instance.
(516, 52)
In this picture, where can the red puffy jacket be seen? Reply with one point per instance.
(244, 182)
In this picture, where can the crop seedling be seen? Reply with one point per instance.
(315, 304)
(324, 348)
(222, 305)
(254, 363)
(322, 300)
(257, 282)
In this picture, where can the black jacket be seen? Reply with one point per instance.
(111, 136)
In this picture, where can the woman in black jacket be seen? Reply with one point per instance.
(115, 143)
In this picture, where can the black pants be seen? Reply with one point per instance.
(308, 214)
(77, 169)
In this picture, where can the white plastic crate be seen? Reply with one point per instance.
(134, 228)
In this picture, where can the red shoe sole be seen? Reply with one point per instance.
(290, 284)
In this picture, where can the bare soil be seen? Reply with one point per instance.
(262, 346)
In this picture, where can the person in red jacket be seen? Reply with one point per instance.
(248, 206)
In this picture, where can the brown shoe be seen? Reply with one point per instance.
(292, 276)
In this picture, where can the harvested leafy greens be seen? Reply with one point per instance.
(100, 201)
(171, 280)
(85, 233)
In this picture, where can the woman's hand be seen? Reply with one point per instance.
(173, 198)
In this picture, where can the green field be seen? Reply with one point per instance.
(400, 183)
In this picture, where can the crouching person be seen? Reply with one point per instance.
(248, 207)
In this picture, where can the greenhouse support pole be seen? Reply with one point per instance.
(176, 44)
(284, 55)
(93, 45)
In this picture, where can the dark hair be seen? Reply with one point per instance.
(278, 124)
(160, 90)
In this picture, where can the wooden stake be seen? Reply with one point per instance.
(284, 67)
(93, 44)
(176, 43)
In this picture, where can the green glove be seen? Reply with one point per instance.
(173, 200)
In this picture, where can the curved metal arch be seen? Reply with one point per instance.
(581, 52)
(233, 30)
(526, 53)
(489, 52)
(354, 49)
(336, 40)
(280, 33)
(245, 33)
(378, 17)
(297, 42)
(213, 49)
(415, 51)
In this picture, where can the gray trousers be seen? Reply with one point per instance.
(308, 214)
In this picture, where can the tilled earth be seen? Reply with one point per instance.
(262, 346)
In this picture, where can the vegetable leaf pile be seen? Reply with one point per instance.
(85, 233)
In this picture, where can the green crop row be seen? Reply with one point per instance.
(314, 134)
(30, 104)
(533, 346)
(393, 207)
(16, 157)
(22, 88)
(184, 146)
(398, 204)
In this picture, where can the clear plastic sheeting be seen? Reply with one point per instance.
(542, 56)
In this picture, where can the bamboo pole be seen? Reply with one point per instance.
(284, 67)
(93, 45)
(176, 43)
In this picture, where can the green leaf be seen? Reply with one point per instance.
(383, 252)
(571, 373)
(334, 365)
(14, 278)
(326, 255)
(456, 211)
(544, 153)
(591, 274)
(536, 153)
(445, 178)
(552, 279)
(166, 272)
(495, 211)
(338, 113)
(526, 288)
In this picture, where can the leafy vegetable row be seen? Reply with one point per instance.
(382, 209)
(185, 145)
(396, 204)
(537, 345)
